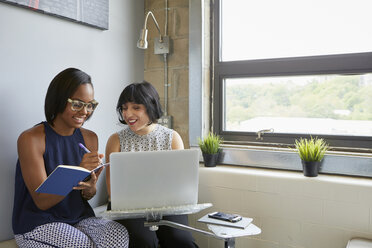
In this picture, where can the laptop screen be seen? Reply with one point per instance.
(154, 179)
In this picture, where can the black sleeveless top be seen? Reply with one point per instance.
(73, 208)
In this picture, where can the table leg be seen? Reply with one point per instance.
(230, 243)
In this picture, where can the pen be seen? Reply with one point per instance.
(84, 148)
(87, 150)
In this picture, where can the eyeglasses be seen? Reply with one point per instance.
(77, 105)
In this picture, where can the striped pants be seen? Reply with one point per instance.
(90, 232)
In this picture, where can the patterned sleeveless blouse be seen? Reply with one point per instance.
(159, 139)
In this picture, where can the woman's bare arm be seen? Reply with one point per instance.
(31, 147)
(177, 143)
(113, 145)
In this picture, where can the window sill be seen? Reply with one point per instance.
(335, 163)
(294, 175)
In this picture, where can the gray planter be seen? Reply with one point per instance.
(310, 168)
(211, 160)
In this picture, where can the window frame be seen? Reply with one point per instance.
(356, 63)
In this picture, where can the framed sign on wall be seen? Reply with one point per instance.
(93, 13)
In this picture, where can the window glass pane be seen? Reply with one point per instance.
(327, 104)
(261, 29)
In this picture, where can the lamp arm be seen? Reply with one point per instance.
(156, 23)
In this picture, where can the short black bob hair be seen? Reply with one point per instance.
(62, 87)
(141, 93)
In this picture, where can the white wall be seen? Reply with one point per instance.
(33, 49)
(293, 211)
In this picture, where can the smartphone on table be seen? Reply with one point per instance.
(224, 216)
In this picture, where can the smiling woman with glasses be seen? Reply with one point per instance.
(68, 220)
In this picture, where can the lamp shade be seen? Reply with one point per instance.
(142, 41)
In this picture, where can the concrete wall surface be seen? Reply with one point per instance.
(33, 48)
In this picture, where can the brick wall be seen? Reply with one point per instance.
(178, 60)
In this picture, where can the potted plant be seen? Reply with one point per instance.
(311, 152)
(210, 148)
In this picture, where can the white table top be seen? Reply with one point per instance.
(232, 232)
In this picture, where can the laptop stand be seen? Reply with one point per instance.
(228, 234)
(154, 214)
(154, 217)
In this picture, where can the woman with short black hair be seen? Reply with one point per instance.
(141, 93)
(139, 108)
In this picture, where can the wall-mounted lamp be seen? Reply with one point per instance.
(161, 44)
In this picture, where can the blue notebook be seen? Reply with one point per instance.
(64, 178)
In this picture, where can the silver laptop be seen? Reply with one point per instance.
(156, 179)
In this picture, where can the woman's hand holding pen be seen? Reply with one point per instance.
(91, 160)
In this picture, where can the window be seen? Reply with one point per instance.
(294, 69)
